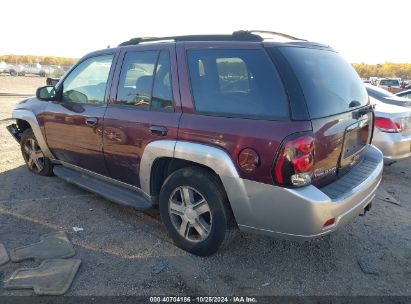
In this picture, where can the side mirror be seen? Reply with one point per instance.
(46, 93)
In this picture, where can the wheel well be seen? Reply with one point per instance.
(165, 166)
(22, 125)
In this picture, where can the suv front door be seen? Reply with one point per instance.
(144, 107)
(74, 123)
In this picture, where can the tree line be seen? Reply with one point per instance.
(387, 69)
(44, 60)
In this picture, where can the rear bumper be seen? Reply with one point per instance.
(394, 146)
(301, 213)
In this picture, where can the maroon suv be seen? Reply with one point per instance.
(220, 132)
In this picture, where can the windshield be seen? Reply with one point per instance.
(330, 85)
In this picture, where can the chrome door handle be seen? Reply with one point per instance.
(158, 130)
(91, 121)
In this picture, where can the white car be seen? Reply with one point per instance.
(392, 132)
(4, 67)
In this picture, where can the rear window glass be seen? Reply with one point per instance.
(236, 83)
(330, 85)
(389, 82)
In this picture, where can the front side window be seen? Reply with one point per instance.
(145, 81)
(236, 83)
(88, 81)
(162, 92)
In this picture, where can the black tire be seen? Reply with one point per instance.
(30, 150)
(13, 73)
(42, 74)
(221, 224)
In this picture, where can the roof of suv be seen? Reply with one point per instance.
(238, 36)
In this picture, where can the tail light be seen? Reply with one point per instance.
(295, 161)
(387, 125)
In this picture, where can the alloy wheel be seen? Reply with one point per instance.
(190, 214)
(32, 155)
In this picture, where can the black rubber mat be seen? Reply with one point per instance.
(52, 277)
(4, 257)
(53, 245)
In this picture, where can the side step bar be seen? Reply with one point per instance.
(106, 189)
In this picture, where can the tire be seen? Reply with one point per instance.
(201, 233)
(42, 74)
(13, 73)
(34, 158)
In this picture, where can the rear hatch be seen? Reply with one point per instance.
(338, 107)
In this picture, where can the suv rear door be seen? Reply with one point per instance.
(233, 98)
(337, 104)
(144, 106)
(73, 125)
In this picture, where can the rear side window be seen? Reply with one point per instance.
(236, 83)
(145, 81)
(330, 85)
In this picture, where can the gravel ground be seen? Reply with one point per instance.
(125, 252)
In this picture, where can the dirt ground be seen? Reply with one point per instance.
(125, 252)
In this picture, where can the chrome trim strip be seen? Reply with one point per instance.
(103, 178)
(32, 120)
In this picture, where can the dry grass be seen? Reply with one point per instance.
(21, 84)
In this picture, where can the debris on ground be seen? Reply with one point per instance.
(53, 245)
(52, 277)
(4, 257)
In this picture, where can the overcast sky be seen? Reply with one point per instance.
(371, 31)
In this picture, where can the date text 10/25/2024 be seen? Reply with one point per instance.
(234, 299)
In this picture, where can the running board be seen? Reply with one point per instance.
(105, 189)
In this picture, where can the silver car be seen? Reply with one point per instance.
(404, 94)
(392, 133)
(387, 97)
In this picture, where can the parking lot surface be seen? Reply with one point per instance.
(126, 252)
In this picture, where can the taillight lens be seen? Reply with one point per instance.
(387, 125)
(295, 161)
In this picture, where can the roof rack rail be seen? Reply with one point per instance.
(277, 34)
(235, 36)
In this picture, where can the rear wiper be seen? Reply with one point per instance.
(361, 112)
(354, 103)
